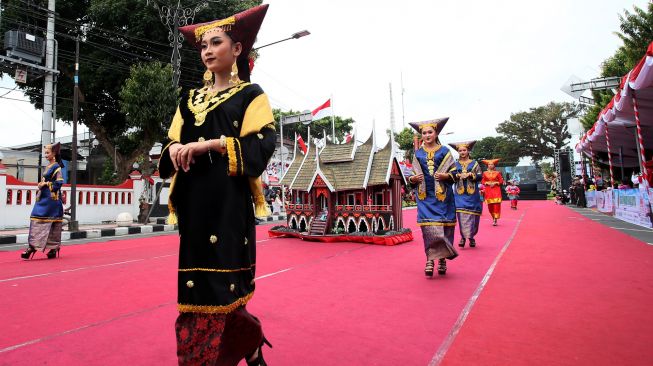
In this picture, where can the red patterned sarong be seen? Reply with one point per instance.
(216, 339)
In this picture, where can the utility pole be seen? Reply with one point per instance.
(73, 224)
(46, 126)
(46, 116)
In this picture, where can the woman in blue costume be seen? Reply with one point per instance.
(47, 215)
(469, 205)
(432, 175)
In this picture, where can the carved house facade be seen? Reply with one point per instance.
(344, 188)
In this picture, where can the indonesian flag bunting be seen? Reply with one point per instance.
(300, 142)
(323, 111)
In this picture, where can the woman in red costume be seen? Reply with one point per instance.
(492, 180)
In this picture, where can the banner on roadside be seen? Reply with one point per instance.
(590, 196)
(604, 201)
(632, 206)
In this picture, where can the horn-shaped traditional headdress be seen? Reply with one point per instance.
(242, 27)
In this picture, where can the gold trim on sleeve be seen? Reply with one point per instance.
(240, 155)
(231, 156)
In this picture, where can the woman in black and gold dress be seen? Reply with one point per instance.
(221, 138)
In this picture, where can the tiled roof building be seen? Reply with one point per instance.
(344, 188)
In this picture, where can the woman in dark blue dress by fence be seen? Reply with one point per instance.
(47, 215)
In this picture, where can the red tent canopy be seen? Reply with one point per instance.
(619, 116)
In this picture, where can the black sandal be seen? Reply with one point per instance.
(428, 269)
(442, 266)
(28, 253)
(462, 243)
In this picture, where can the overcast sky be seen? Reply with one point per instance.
(473, 61)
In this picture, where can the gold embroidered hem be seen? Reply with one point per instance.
(469, 212)
(45, 220)
(436, 223)
(213, 309)
(215, 269)
(493, 200)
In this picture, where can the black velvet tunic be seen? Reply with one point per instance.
(213, 200)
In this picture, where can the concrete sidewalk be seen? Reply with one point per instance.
(90, 231)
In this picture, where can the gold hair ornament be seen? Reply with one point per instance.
(224, 24)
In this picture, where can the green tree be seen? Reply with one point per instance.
(147, 99)
(497, 147)
(541, 130)
(115, 34)
(636, 33)
(406, 140)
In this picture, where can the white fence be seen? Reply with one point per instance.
(95, 204)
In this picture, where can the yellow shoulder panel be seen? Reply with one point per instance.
(174, 133)
(257, 115)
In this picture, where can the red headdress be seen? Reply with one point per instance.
(242, 27)
(490, 161)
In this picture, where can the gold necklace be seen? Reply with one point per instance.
(430, 154)
(206, 100)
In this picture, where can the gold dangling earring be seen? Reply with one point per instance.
(234, 80)
(208, 78)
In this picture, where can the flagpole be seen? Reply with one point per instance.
(333, 119)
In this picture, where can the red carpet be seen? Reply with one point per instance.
(568, 291)
(113, 303)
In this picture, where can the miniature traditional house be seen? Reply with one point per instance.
(344, 189)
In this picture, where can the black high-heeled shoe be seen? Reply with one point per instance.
(28, 253)
(53, 253)
(462, 243)
(428, 269)
(258, 361)
(442, 266)
(472, 243)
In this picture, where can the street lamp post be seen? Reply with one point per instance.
(174, 17)
(295, 35)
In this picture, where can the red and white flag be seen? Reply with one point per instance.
(347, 138)
(300, 142)
(323, 111)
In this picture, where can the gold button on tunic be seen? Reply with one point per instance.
(190, 284)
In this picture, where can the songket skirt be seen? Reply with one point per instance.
(468, 224)
(438, 241)
(44, 235)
